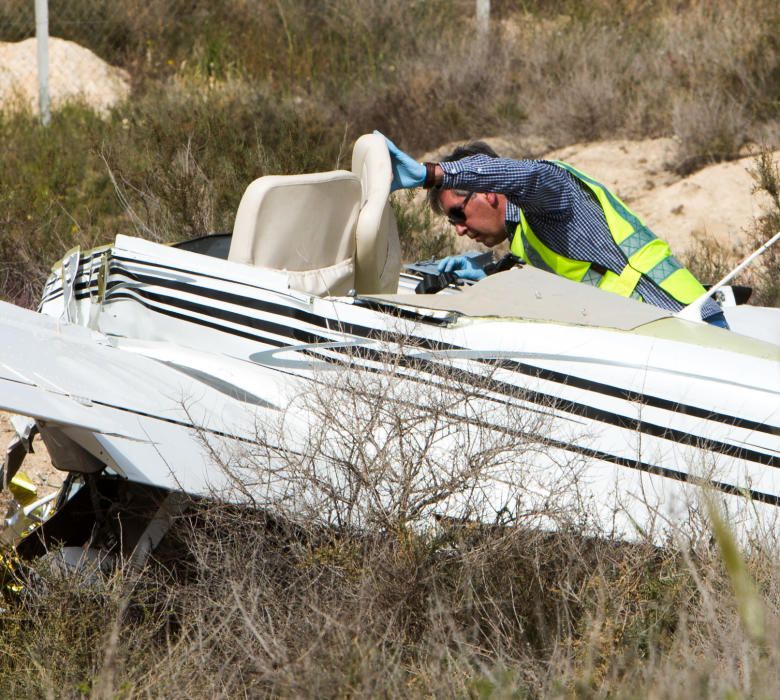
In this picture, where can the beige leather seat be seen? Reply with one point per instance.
(330, 232)
(304, 225)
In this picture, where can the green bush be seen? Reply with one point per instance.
(171, 164)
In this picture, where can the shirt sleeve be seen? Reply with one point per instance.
(536, 186)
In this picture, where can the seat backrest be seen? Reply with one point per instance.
(378, 250)
(303, 224)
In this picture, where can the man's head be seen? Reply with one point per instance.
(478, 215)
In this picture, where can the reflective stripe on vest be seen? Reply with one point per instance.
(646, 254)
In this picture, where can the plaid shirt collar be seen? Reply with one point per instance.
(511, 218)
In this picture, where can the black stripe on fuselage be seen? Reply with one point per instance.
(365, 332)
(431, 367)
(514, 365)
(684, 477)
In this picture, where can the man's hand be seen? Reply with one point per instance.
(463, 266)
(407, 172)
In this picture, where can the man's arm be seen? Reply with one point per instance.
(536, 186)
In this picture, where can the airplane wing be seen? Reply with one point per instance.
(146, 419)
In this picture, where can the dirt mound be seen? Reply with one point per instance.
(75, 73)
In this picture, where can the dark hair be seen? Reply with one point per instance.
(472, 148)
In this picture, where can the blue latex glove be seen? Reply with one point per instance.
(463, 266)
(407, 172)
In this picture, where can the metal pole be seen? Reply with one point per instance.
(483, 18)
(692, 311)
(42, 37)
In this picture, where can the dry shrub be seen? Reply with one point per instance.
(180, 198)
(638, 70)
(710, 261)
(76, 632)
(579, 70)
(50, 197)
(709, 128)
(270, 607)
(394, 445)
(22, 272)
(764, 275)
(337, 581)
(574, 75)
(138, 34)
(721, 78)
(325, 613)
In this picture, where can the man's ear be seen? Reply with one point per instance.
(492, 199)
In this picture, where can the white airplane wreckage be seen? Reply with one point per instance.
(291, 366)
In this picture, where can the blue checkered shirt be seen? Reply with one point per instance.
(563, 213)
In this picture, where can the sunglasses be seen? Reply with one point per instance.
(456, 215)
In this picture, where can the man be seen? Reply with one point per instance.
(556, 218)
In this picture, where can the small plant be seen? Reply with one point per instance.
(765, 275)
(421, 235)
(710, 261)
(709, 129)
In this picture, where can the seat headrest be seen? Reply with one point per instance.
(378, 251)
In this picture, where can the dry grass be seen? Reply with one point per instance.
(270, 607)
(351, 589)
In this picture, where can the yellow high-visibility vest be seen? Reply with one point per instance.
(645, 253)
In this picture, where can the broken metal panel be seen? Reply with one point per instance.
(14, 456)
(18, 448)
(21, 519)
(98, 274)
(66, 454)
(25, 428)
(70, 272)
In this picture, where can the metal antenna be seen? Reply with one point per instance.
(692, 312)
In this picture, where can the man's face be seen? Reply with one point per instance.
(478, 215)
